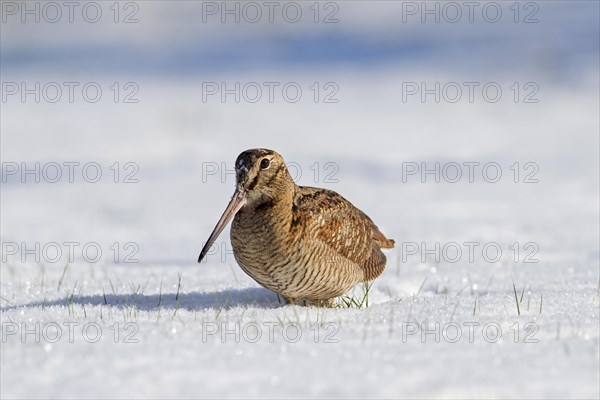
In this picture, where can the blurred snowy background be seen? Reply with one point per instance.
(137, 88)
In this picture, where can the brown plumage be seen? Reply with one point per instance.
(308, 244)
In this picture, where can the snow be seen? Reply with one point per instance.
(157, 324)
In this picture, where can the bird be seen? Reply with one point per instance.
(307, 244)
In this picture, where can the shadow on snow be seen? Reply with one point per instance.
(230, 298)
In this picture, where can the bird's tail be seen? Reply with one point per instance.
(381, 241)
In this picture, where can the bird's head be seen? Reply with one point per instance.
(261, 176)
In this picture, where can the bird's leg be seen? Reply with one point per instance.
(289, 300)
(326, 303)
(280, 298)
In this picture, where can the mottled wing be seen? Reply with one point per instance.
(334, 221)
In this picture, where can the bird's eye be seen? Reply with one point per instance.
(264, 163)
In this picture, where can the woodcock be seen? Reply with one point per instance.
(310, 245)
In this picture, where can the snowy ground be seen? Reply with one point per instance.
(144, 320)
(373, 352)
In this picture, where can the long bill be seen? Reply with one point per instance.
(237, 201)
